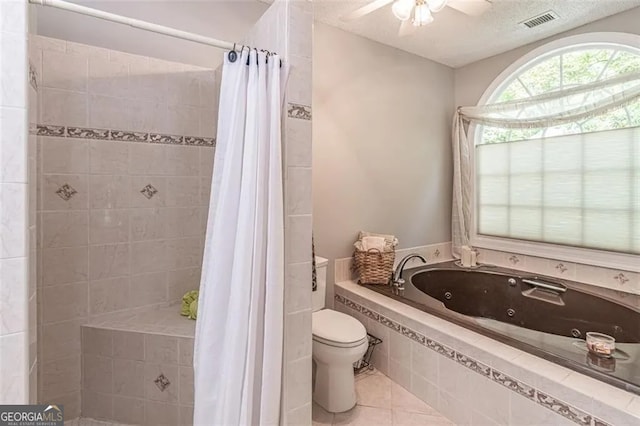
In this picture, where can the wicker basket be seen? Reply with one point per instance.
(373, 266)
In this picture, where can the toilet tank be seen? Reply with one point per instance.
(318, 296)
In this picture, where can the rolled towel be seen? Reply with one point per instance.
(390, 241)
(188, 298)
(377, 243)
(193, 310)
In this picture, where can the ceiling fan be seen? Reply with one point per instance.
(419, 12)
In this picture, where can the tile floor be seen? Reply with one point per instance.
(381, 402)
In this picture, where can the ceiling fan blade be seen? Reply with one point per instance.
(365, 10)
(470, 7)
(406, 28)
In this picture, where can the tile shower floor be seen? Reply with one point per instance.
(90, 422)
(382, 402)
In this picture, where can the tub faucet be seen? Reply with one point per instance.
(397, 282)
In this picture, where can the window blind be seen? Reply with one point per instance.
(580, 190)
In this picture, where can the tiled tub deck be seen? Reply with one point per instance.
(137, 367)
(475, 380)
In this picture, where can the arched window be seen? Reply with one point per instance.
(575, 184)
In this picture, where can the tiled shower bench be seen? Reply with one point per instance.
(137, 367)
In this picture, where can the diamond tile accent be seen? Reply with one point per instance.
(621, 278)
(66, 191)
(149, 191)
(560, 267)
(162, 382)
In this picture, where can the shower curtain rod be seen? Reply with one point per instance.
(136, 23)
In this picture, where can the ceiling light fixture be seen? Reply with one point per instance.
(402, 9)
(436, 5)
(422, 14)
(420, 9)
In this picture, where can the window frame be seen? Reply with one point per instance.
(609, 259)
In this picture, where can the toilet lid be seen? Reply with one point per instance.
(337, 327)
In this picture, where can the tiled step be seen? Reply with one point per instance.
(138, 368)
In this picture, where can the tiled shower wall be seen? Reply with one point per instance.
(15, 292)
(125, 160)
(286, 28)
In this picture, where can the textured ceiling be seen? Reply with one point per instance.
(456, 39)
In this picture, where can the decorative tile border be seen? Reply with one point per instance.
(474, 365)
(513, 384)
(302, 112)
(168, 139)
(82, 133)
(413, 335)
(56, 131)
(33, 77)
(565, 410)
(192, 140)
(120, 135)
(542, 398)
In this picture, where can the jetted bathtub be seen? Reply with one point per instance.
(543, 316)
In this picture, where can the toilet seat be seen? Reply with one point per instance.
(336, 329)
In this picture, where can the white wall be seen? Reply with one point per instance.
(472, 80)
(381, 143)
(15, 292)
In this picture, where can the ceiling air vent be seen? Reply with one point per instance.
(540, 19)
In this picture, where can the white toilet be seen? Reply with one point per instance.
(339, 340)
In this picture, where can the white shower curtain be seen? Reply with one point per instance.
(239, 333)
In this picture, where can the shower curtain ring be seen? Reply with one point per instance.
(233, 55)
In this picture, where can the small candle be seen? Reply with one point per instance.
(465, 252)
(600, 344)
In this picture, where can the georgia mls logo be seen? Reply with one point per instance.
(53, 410)
(31, 415)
